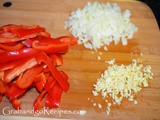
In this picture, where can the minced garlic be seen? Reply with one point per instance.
(99, 105)
(99, 58)
(118, 82)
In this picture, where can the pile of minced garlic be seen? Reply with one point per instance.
(118, 82)
(99, 24)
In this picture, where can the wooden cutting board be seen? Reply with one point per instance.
(82, 65)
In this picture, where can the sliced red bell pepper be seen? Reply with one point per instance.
(14, 92)
(46, 69)
(19, 69)
(17, 55)
(69, 40)
(57, 58)
(5, 31)
(51, 102)
(9, 39)
(37, 105)
(1, 75)
(45, 41)
(22, 32)
(3, 87)
(3, 51)
(64, 75)
(30, 58)
(55, 91)
(6, 66)
(16, 104)
(1, 31)
(10, 65)
(40, 81)
(11, 48)
(44, 34)
(9, 27)
(54, 94)
(56, 47)
(49, 84)
(30, 27)
(14, 33)
(6, 35)
(1, 97)
(42, 57)
(27, 43)
(42, 40)
(26, 79)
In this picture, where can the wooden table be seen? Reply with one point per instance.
(82, 65)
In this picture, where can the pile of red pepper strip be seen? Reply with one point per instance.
(29, 59)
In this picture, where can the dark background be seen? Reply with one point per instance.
(155, 6)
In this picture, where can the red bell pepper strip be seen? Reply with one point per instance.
(44, 34)
(46, 41)
(57, 47)
(9, 39)
(69, 40)
(42, 57)
(46, 69)
(38, 102)
(16, 104)
(11, 48)
(19, 69)
(3, 87)
(6, 66)
(10, 65)
(9, 27)
(1, 31)
(4, 34)
(5, 31)
(64, 75)
(26, 79)
(1, 97)
(2, 51)
(14, 92)
(51, 102)
(57, 58)
(50, 82)
(14, 33)
(17, 54)
(55, 91)
(29, 27)
(42, 40)
(40, 81)
(25, 32)
(1, 75)
(27, 43)
(65, 39)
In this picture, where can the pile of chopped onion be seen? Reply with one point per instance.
(97, 25)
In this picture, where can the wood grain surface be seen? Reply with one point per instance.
(82, 65)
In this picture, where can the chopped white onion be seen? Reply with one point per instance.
(98, 25)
